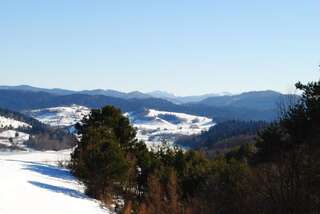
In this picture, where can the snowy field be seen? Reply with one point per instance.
(32, 184)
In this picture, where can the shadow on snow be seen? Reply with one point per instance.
(53, 172)
(50, 171)
(57, 189)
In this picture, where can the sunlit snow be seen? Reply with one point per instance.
(156, 126)
(9, 136)
(11, 123)
(32, 183)
(60, 116)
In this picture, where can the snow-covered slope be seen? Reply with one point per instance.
(31, 183)
(10, 137)
(13, 138)
(60, 116)
(155, 126)
(8, 122)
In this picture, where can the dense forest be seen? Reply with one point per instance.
(278, 173)
(222, 131)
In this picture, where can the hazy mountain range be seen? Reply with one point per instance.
(257, 105)
(118, 94)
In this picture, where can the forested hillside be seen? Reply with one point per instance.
(222, 131)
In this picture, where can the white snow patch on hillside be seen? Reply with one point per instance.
(155, 126)
(7, 132)
(31, 183)
(8, 122)
(60, 116)
(18, 138)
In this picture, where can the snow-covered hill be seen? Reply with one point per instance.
(153, 126)
(60, 116)
(32, 183)
(156, 126)
(9, 136)
(13, 138)
(11, 123)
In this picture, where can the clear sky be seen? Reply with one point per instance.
(185, 47)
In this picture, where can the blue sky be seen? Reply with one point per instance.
(185, 47)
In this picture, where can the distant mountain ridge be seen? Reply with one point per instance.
(56, 91)
(59, 91)
(184, 99)
(255, 100)
(20, 100)
(255, 105)
(118, 94)
(208, 99)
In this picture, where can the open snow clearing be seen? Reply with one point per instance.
(31, 182)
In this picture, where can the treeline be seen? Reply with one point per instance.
(278, 174)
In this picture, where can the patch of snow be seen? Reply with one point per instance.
(8, 122)
(32, 183)
(18, 138)
(61, 116)
(155, 126)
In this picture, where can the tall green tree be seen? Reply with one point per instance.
(101, 159)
